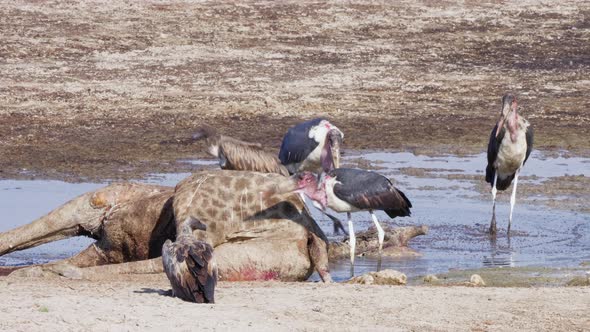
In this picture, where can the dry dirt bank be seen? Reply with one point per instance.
(100, 89)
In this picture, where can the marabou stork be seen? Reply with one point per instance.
(189, 265)
(350, 190)
(511, 143)
(313, 146)
(239, 155)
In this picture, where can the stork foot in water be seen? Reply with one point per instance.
(493, 230)
(513, 199)
(351, 242)
(380, 237)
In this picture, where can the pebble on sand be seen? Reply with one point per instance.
(431, 278)
(477, 280)
(385, 277)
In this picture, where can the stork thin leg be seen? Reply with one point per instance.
(493, 230)
(380, 237)
(513, 199)
(352, 242)
(380, 231)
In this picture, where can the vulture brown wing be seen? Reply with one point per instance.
(198, 261)
(243, 157)
(173, 260)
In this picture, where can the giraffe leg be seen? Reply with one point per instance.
(493, 230)
(352, 242)
(513, 200)
(318, 253)
(69, 267)
(74, 218)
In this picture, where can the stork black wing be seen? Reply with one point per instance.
(296, 144)
(529, 142)
(493, 148)
(370, 191)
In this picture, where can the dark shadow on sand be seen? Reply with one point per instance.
(160, 292)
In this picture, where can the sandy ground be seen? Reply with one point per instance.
(111, 89)
(143, 304)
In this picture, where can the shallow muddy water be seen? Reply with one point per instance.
(457, 217)
(451, 208)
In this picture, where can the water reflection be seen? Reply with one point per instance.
(499, 255)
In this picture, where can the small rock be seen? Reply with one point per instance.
(389, 277)
(431, 278)
(580, 281)
(385, 277)
(365, 279)
(476, 280)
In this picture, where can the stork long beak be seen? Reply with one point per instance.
(336, 154)
(331, 153)
(509, 106)
(500, 125)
